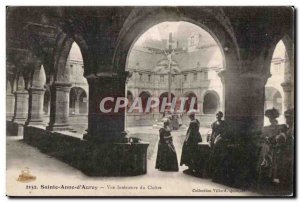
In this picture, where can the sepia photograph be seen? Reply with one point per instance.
(150, 101)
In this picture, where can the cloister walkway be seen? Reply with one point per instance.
(50, 171)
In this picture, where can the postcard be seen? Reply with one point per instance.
(150, 101)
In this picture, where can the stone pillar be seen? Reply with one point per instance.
(106, 126)
(59, 107)
(21, 102)
(36, 97)
(111, 153)
(10, 105)
(288, 100)
(200, 106)
(244, 100)
(10, 102)
(77, 106)
(36, 104)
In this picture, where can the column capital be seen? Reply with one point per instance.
(36, 90)
(25, 92)
(60, 86)
(234, 76)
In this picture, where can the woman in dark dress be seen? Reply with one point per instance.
(273, 140)
(166, 159)
(218, 149)
(190, 145)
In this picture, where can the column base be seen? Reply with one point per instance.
(115, 159)
(60, 127)
(9, 117)
(14, 129)
(34, 122)
(19, 120)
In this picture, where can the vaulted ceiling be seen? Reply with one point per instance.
(33, 33)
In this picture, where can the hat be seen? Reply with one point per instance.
(272, 113)
(191, 112)
(165, 120)
(219, 113)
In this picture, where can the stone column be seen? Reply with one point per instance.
(288, 90)
(36, 104)
(10, 105)
(10, 102)
(36, 97)
(104, 126)
(59, 107)
(110, 152)
(200, 106)
(21, 102)
(77, 106)
(244, 100)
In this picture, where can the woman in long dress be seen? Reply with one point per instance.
(218, 164)
(166, 159)
(190, 145)
(273, 139)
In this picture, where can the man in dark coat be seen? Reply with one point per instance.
(190, 145)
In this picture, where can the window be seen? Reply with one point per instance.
(195, 76)
(141, 76)
(205, 75)
(162, 78)
(185, 77)
(149, 77)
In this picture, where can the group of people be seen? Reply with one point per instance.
(275, 160)
(166, 156)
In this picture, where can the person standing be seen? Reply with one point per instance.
(166, 159)
(217, 127)
(219, 140)
(271, 149)
(190, 145)
(285, 167)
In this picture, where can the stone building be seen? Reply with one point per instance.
(39, 40)
(194, 71)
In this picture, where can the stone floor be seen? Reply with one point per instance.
(51, 172)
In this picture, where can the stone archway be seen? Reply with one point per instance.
(211, 102)
(83, 106)
(47, 98)
(219, 27)
(130, 98)
(191, 102)
(61, 86)
(78, 101)
(161, 98)
(144, 98)
(273, 99)
(135, 26)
